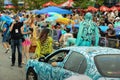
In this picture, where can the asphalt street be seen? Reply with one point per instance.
(6, 71)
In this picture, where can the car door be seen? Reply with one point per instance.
(58, 73)
(76, 63)
(73, 63)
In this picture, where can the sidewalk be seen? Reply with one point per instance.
(6, 71)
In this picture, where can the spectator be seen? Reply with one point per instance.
(16, 40)
(6, 37)
(65, 36)
(44, 44)
(117, 22)
(72, 40)
(110, 33)
(111, 36)
(26, 43)
(60, 60)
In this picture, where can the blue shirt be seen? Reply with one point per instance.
(7, 28)
(26, 29)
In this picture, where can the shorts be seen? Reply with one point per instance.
(27, 42)
(4, 39)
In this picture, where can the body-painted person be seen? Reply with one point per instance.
(88, 34)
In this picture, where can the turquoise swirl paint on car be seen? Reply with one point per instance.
(78, 60)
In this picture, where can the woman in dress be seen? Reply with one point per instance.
(44, 44)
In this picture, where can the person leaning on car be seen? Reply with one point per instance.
(44, 44)
(59, 62)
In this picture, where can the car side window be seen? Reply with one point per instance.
(76, 63)
(58, 56)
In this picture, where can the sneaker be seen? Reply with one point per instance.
(10, 57)
(12, 65)
(7, 50)
(19, 66)
(23, 63)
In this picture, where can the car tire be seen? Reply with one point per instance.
(31, 75)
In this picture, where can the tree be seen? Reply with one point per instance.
(1, 4)
(83, 4)
(15, 3)
(86, 3)
(100, 2)
(59, 1)
(35, 4)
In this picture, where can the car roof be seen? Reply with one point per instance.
(93, 50)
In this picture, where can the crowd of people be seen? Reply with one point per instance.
(27, 30)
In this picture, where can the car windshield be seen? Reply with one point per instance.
(108, 65)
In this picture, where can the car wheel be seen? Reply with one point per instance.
(31, 75)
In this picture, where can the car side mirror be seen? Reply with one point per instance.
(41, 59)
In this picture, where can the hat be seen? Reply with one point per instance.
(117, 18)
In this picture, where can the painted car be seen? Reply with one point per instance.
(80, 77)
(99, 63)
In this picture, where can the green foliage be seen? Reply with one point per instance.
(84, 4)
(37, 4)
(100, 2)
(15, 2)
(59, 1)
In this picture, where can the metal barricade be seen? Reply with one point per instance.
(109, 42)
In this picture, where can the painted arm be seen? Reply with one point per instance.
(79, 34)
(97, 36)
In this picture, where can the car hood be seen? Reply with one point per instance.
(106, 78)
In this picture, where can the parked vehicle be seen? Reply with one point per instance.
(99, 63)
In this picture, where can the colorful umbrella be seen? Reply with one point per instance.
(51, 19)
(49, 4)
(34, 11)
(50, 14)
(104, 8)
(9, 6)
(118, 8)
(65, 21)
(53, 9)
(53, 16)
(113, 8)
(91, 8)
